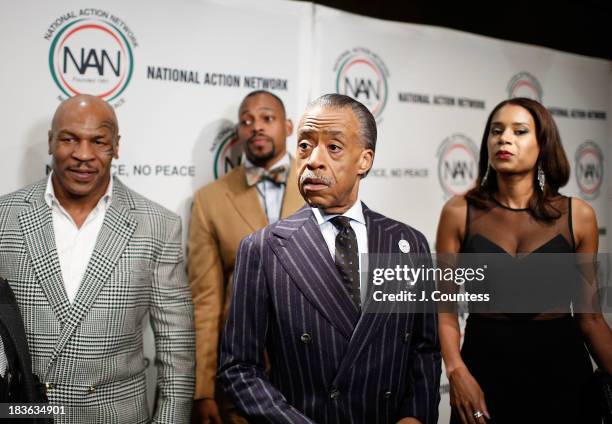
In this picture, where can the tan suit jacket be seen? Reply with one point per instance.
(223, 213)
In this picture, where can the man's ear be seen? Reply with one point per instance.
(366, 159)
(50, 140)
(116, 147)
(288, 127)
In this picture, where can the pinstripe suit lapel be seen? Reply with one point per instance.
(116, 231)
(37, 228)
(303, 253)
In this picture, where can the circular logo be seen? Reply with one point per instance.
(404, 246)
(227, 151)
(589, 169)
(457, 164)
(362, 75)
(91, 56)
(524, 84)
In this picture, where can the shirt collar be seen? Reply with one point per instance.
(285, 160)
(355, 212)
(50, 198)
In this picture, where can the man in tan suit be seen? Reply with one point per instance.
(259, 192)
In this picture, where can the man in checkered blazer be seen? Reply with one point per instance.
(88, 259)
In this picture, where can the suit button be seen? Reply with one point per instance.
(334, 394)
(49, 387)
(305, 338)
(91, 389)
(406, 337)
(388, 395)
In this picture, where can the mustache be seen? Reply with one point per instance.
(82, 169)
(81, 166)
(254, 136)
(311, 175)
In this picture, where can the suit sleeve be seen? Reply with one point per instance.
(425, 364)
(172, 322)
(244, 341)
(206, 278)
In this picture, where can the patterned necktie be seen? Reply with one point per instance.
(347, 256)
(277, 175)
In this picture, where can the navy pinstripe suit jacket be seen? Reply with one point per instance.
(330, 364)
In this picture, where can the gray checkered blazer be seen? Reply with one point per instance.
(90, 353)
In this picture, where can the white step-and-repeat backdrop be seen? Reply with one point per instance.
(177, 71)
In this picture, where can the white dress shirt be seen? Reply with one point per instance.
(329, 231)
(271, 194)
(75, 245)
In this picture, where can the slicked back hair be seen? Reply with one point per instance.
(367, 123)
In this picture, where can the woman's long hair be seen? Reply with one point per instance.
(552, 159)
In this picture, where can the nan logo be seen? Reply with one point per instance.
(91, 55)
(457, 164)
(362, 75)
(589, 169)
(524, 84)
(227, 151)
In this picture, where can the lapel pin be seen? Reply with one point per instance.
(404, 246)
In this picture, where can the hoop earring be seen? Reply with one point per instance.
(486, 175)
(541, 178)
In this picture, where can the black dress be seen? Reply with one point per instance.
(530, 370)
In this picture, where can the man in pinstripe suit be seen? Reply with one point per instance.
(295, 296)
(88, 259)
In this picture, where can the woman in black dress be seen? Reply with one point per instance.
(523, 368)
